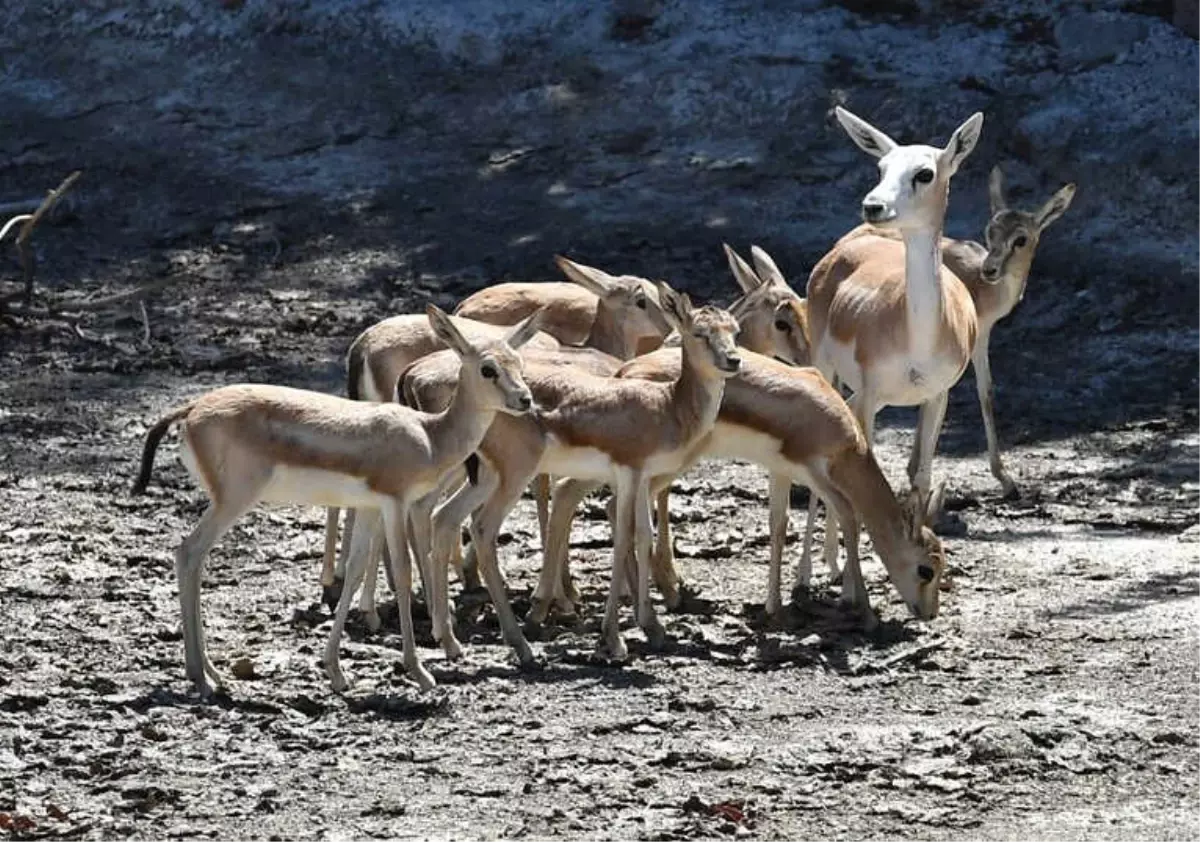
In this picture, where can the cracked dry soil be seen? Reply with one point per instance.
(1054, 698)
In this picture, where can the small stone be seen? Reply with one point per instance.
(243, 670)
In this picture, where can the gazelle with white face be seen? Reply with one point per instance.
(886, 317)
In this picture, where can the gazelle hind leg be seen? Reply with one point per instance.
(567, 496)
(662, 562)
(363, 547)
(395, 528)
(485, 532)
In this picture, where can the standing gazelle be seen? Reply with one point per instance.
(250, 443)
(620, 432)
(889, 319)
(996, 277)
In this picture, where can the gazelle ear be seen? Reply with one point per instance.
(742, 273)
(523, 331)
(996, 190)
(593, 280)
(961, 144)
(869, 139)
(766, 268)
(676, 307)
(444, 329)
(933, 506)
(1055, 207)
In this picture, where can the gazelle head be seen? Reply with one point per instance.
(917, 572)
(492, 370)
(773, 318)
(914, 181)
(1012, 235)
(632, 301)
(708, 333)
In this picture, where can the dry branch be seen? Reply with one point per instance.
(23, 250)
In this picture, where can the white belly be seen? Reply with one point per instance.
(898, 380)
(316, 487)
(563, 460)
(733, 441)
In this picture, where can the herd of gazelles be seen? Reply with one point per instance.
(446, 405)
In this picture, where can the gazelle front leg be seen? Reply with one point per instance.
(929, 427)
(485, 533)
(983, 385)
(642, 540)
(666, 575)
(622, 525)
(780, 489)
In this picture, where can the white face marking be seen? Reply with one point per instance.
(903, 197)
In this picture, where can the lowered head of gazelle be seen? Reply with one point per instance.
(914, 180)
(491, 372)
(920, 552)
(772, 316)
(634, 299)
(1012, 235)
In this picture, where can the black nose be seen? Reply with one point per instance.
(733, 363)
(526, 402)
(990, 271)
(872, 212)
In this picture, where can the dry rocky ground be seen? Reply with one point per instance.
(291, 174)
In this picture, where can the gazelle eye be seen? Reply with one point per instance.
(780, 324)
(640, 303)
(489, 371)
(925, 572)
(924, 176)
(1019, 242)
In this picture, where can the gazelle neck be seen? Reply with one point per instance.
(923, 289)
(455, 432)
(697, 393)
(606, 334)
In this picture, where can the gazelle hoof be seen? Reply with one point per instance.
(656, 635)
(330, 594)
(613, 649)
(419, 674)
(451, 647)
(539, 610)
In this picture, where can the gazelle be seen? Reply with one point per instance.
(621, 432)
(996, 276)
(617, 314)
(250, 443)
(624, 312)
(888, 318)
(772, 321)
(792, 422)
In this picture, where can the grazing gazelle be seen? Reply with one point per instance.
(250, 443)
(620, 432)
(624, 314)
(792, 422)
(886, 317)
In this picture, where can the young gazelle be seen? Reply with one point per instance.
(250, 443)
(616, 314)
(996, 276)
(772, 321)
(621, 432)
(792, 422)
(624, 313)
